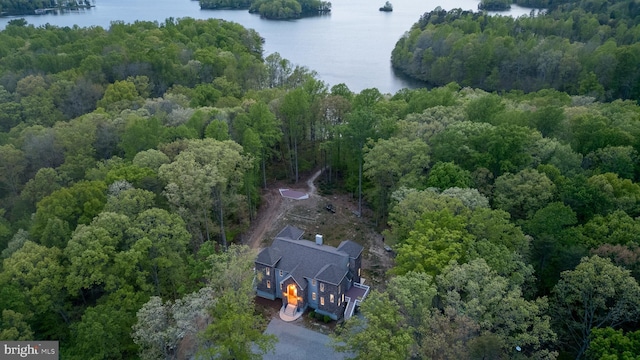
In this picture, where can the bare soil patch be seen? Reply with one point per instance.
(312, 216)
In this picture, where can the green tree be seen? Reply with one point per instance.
(165, 238)
(607, 343)
(498, 307)
(204, 175)
(522, 194)
(37, 271)
(410, 206)
(59, 213)
(45, 182)
(104, 330)
(91, 253)
(119, 96)
(235, 331)
(381, 332)
(294, 111)
(555, 243)
(130, 202)
(436, 239)
(620, 160)
(141, 134)
(394, 162)
(12, 167)
(266, 126)
(14, 326)
(596, 294)
(151, 159)
(444, 175)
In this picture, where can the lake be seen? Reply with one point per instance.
(351, 45)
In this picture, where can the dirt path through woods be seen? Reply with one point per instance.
(273, 209)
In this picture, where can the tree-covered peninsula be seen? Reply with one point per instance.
(583, 48)
(273, 9)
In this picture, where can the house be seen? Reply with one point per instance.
(307, 274)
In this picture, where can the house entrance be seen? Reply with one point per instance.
(292, 295)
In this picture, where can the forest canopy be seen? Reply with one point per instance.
(131, 162)
(582, 48)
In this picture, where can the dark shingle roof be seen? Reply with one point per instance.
(298, 275)
(310, 257)
(290, 232)
(352, 248)
(331, 274)
(269, 256)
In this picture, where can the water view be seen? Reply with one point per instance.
(351, 45)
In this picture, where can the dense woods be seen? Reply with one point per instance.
(131, 161)
(582, 48)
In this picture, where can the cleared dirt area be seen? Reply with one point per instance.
(312, 216)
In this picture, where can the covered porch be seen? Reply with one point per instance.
(293, 303)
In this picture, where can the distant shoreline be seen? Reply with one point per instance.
(44, 11)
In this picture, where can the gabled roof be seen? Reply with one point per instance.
(298, 275)
(352, 248)
(290, 232)
(305, 259)
(331, 274)
(269, 256)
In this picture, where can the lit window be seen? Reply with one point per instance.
(331, 299)
(322, 287)
(313, 296)
(268, 284)
(359, 272)
(342, 298)
(267, 271)
(322, 300)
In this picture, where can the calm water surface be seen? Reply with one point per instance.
(351, 45)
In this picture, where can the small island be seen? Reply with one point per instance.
(272, 9)
(387, 7)
(494, 5)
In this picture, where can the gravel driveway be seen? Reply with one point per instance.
(296, 342)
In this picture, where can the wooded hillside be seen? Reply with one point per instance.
(582, 48)
(132, 157)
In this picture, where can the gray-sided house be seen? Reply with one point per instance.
(310, 274)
